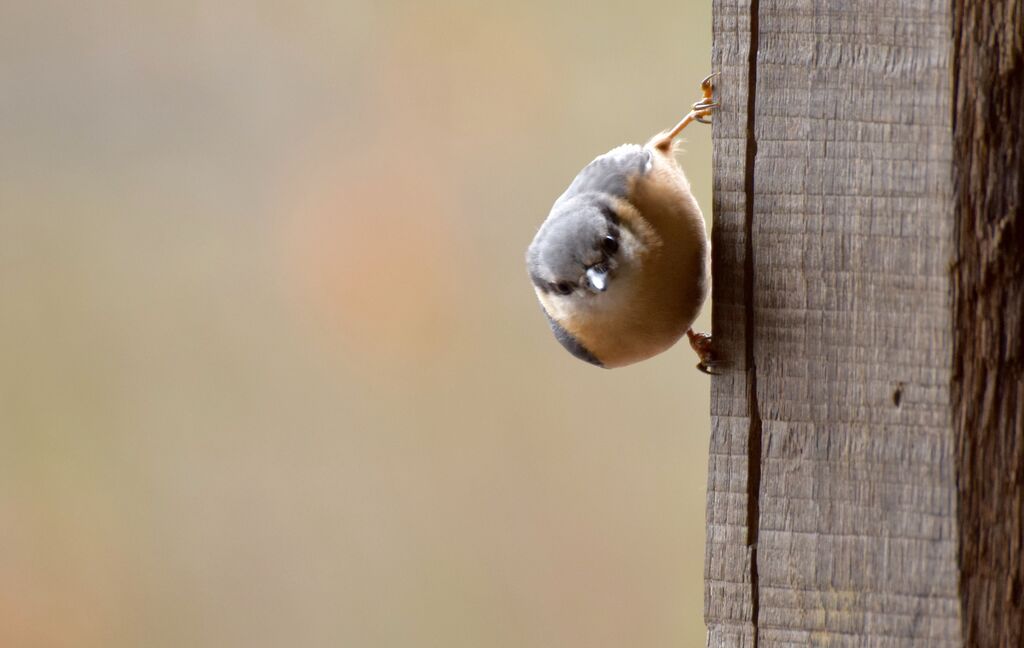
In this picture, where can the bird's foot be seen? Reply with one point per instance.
(700, 112)
(707, 103)
(701, 344)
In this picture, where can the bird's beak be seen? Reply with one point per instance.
(598, 278)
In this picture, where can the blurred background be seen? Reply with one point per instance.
(272, 370)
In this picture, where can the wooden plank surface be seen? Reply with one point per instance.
(832, 495)
(729, 604)
(988, 280)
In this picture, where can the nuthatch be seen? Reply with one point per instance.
(621, 263)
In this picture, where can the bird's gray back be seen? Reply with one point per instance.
(610, 173)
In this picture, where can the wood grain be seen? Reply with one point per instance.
(832, 496)
(729, 605)
(988, 285)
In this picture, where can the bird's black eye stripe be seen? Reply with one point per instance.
(610, 214)
(613, 231)
(540, 283)
(562, 287)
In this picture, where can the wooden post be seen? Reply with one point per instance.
(866, 478)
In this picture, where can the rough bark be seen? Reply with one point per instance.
(988, 303)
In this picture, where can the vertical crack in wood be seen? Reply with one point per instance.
(754, 438)
(832, 225)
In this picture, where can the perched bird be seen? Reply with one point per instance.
(621, 264)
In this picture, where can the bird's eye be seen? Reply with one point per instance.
(563, 287)
(610, 245)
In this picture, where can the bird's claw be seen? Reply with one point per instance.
(706, 369)
(703, 108)
(700, 112)
(706, 86)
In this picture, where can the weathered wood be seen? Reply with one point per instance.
(729, 604)
(988, 296)
(832, 494)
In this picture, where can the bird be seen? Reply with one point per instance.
(621, 264)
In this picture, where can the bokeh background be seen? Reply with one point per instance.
(272, 371)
